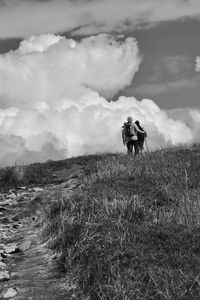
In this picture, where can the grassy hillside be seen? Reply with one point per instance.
(132, 230)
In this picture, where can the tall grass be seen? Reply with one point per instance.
(132, 231)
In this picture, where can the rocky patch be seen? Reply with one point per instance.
(24, 262)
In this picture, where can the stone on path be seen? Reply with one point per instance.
(22, 187)
(10, 293)
(4, 276)
(11, 196)
(25, 245)
(13, 248)
(3, 266)
(5, 255)
(37, 189)
(8, 202)
(14, 275)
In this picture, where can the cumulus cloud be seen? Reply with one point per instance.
(189, 116)
(197, 66)
(24, 18)
(54, 96)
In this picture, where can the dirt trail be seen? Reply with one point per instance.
(25, 272)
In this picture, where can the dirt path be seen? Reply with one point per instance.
(25, 272)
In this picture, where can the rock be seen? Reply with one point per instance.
(25, 245)
(11, 196)
(8, 202)
(37, 189)
(3, 266)
(14, 275)
(22, 187)
(21, 199)
(10, 293)
(1, 255)
(13, 248)
(4, 276)
(5, 255)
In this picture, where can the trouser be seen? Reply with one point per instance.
(130, 145)
(141, 143)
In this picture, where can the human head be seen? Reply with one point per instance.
(129, 119)
(137, 122)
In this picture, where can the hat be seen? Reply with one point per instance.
(130, 119)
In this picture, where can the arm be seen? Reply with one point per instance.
(123, 137)
(137, 129)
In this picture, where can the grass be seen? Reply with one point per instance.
(133, 230)
(40, 173)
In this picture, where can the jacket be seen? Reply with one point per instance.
(134, 129)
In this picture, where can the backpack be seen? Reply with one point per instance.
(127, 130)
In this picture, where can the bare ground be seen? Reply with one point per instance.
(22, 254)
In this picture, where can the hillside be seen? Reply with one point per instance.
(109, 227)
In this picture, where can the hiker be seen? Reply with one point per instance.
(129, 136)
(141, 136)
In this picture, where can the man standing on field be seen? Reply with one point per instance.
(129, 136)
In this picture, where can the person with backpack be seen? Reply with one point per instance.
(129, 136)
(141, 136)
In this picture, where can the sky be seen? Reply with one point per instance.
(105, 59)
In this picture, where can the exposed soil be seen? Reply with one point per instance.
(25, 269)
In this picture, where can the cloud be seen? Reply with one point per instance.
(197, 66)
(154, 88)
(24, 18)
(54, 99)
(177, 65)
(48, 67)
(170, 73)
(190, 116)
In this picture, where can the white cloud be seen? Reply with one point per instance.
(53, 105)
(197, 67)
(190, 116)
(24, 18)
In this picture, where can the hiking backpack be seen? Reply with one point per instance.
(127, 130)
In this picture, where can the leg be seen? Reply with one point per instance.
(136, 147)
(141, 144)
(129, 147)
